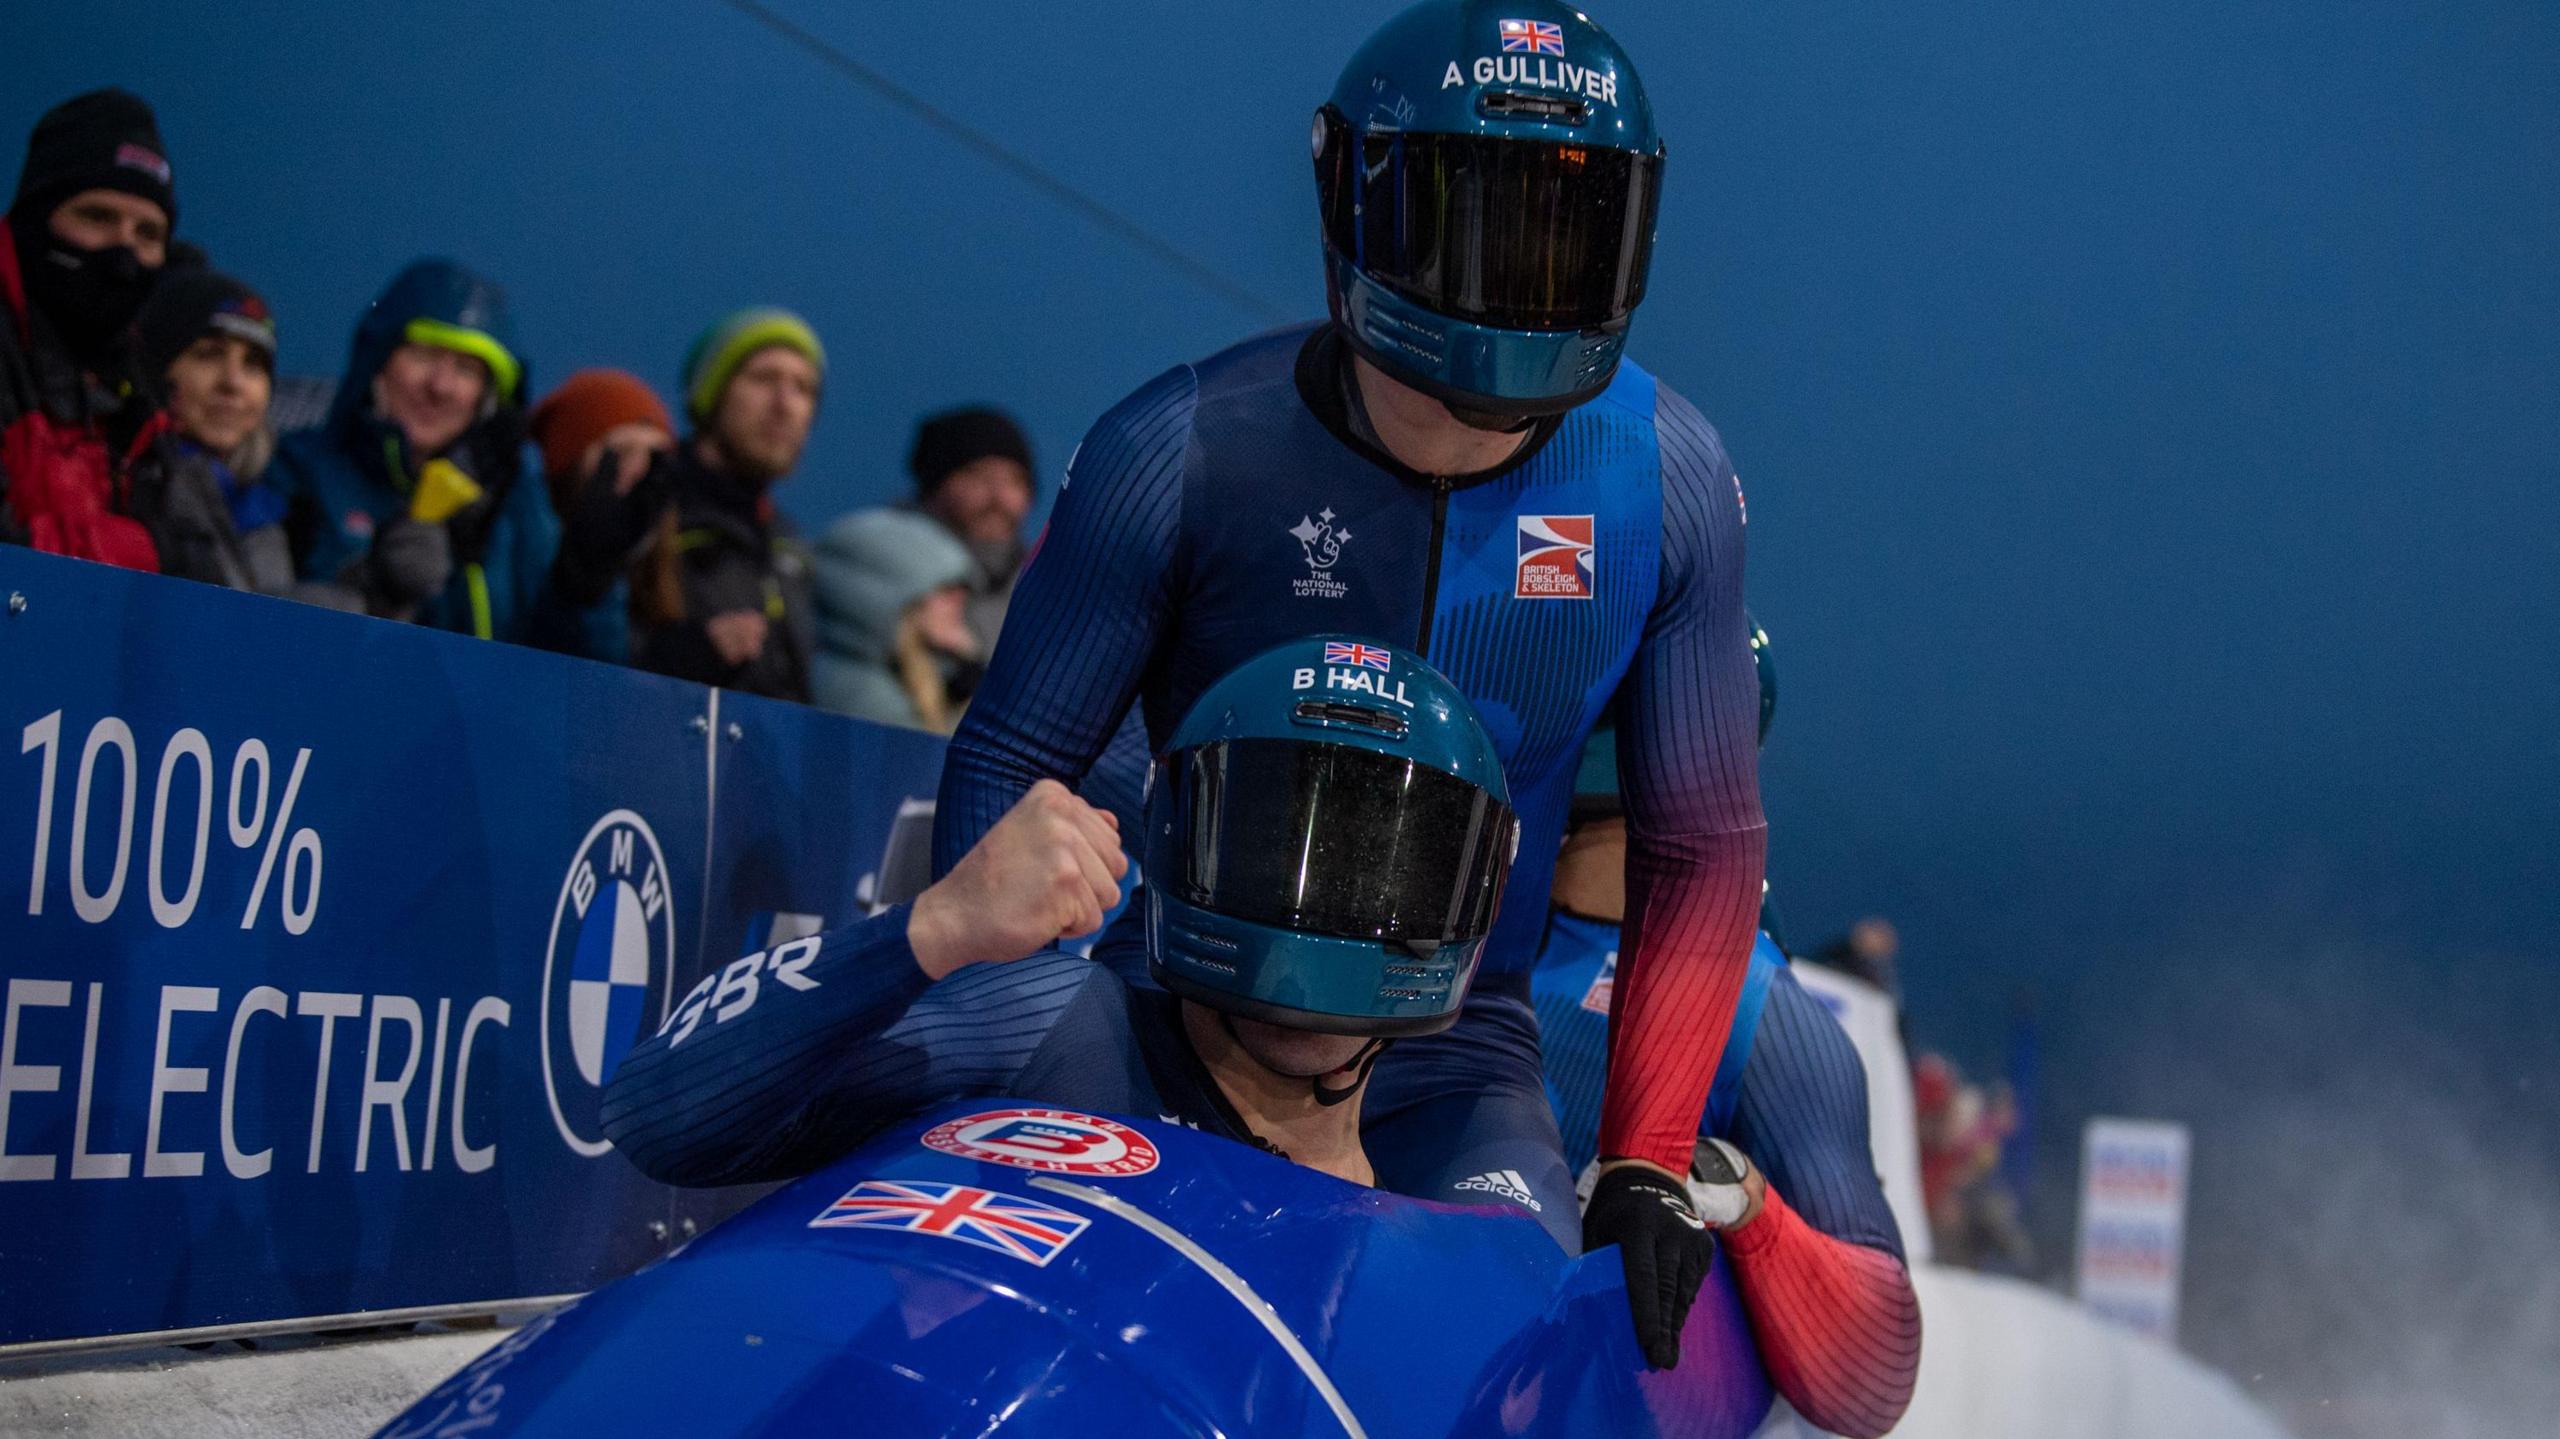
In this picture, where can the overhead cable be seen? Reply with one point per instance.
(1200, 272)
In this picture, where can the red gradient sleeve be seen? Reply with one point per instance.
(1689, 767)
(1837, 1323)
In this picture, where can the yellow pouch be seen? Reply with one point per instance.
(443, 489)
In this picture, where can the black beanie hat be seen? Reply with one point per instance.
(954, 438)
(104, 140)
(188, 305)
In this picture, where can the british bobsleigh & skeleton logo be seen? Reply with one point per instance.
(1557, 560)
(1058, 1141)
(606, 977)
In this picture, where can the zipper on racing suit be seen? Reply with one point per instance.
(1431, 572)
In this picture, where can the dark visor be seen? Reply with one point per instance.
(1329, 839)
(1516, 234)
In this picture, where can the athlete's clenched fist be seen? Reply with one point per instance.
(1049, 870)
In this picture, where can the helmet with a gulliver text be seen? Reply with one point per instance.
(1488, 175)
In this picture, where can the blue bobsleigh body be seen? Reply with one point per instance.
(995, 1269)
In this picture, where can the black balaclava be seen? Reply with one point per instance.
(104, 140)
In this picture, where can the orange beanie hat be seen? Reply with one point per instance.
(583, 408)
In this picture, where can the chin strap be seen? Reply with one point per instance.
(1487, 421)
(1361, 1064)
(1364, 1061)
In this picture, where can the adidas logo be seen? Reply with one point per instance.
(1508, 1184)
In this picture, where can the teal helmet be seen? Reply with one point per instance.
(1488, 175)
(1328, 833)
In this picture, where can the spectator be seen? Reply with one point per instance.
(892, 589)
(410, 492)
(87, 232)
(973, 473)
(744, 620)
(1973, 1215)
(208, 342)
(606, 441)
(1867, 952)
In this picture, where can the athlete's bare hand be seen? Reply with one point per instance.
(1049, 870)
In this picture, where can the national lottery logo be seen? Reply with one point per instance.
(1321, 542)
(1556, 554)
(1059, 1141)
(605, 980)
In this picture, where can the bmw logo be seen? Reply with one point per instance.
(613, 946)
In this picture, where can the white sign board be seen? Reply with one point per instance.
(2133, 1221)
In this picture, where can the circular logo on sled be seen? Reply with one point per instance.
(1060, 1141)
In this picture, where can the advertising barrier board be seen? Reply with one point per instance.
(319, 936)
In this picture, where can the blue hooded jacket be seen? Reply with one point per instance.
(356, 472)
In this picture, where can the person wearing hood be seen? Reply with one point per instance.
(87, 232)
(892, 590)
(973, 473)
(745, 619)
(414, 490)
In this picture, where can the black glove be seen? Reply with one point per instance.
(603, 532)
(1665, 1246)
(410, 561)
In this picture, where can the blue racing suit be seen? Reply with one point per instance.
(1821, 1269)
(1243, 501)
(780, 1062)
(1577, 971)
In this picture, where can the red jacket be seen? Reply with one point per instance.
(65, 487)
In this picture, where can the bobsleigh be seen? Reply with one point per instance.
(994, 1268)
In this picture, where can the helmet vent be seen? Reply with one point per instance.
(1394, 330)
(1599, 355)
(1511, 105)
(1335, 712)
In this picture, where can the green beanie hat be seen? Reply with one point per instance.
(717, 353)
